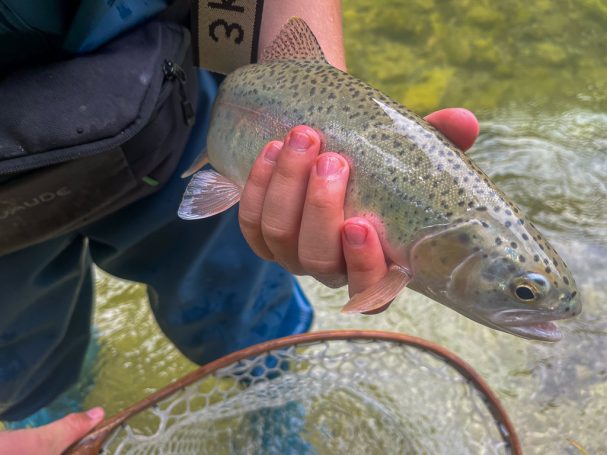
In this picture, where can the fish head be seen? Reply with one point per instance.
(497, 276)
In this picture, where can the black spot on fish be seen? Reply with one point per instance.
(464, 238)
(521, 258)
(566, 280)
(547, 270)
(485, 225)
(498, 241)
(481, 208)
(496, 209)
(525, 236)
(536, 258)
(513, 245)
(521, 221)
(507, 224)
(508, 212)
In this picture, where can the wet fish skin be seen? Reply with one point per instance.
(416, 187)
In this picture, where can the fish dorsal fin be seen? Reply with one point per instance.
(294, 42)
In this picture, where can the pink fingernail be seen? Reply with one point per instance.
(327, 166)
(356, 234)
(95, 413)
(299, 141)
(272, 151)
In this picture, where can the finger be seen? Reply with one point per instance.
(459, 125)
(253, 196)
(284, 202)
(365, 260)
(51, 439)
(320, 252)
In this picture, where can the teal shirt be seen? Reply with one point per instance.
(40, 31)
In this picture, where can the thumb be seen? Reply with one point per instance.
(64, 432)
(51, 439)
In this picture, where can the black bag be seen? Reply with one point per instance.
(84, 137)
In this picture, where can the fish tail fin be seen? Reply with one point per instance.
(380, 294)
(199, 162)
(208, 194)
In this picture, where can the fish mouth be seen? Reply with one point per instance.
(541, 331)
(530, 324)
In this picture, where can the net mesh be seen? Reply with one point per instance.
(325, 397)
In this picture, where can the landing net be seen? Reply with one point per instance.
(322, 393)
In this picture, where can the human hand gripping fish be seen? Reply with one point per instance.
(445, 229)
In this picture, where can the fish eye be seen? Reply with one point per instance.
(529, 287)
(525, 293)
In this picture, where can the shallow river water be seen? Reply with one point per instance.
(535, 73)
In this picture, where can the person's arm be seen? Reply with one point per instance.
(323, 17)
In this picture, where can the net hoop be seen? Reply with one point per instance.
(92, 442)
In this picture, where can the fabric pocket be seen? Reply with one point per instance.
(84, 137)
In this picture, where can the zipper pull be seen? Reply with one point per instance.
(172, 71)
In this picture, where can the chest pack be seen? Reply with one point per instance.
(84, 137)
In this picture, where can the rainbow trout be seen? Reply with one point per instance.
(449, 233)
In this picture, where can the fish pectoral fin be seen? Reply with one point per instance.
(201, 160)
(208, 194)
(295, 41)
(380, 294)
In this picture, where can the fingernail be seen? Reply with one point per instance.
(327, 166)
(299, 141)
(272, 151)
(355, 234)
(95, 413)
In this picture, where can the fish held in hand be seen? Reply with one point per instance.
(449, 233)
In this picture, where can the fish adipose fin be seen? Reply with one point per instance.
(208, 194)
(380, 294)
(199, 162)
(294, 42)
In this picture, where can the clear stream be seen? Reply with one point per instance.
(535, 73)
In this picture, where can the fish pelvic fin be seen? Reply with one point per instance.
(208, 194)
(199, 162)
(380, 294)
(295, 41)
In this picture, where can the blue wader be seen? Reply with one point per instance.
(209, 293)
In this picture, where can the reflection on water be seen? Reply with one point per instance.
(554, 165)
(535, 73)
